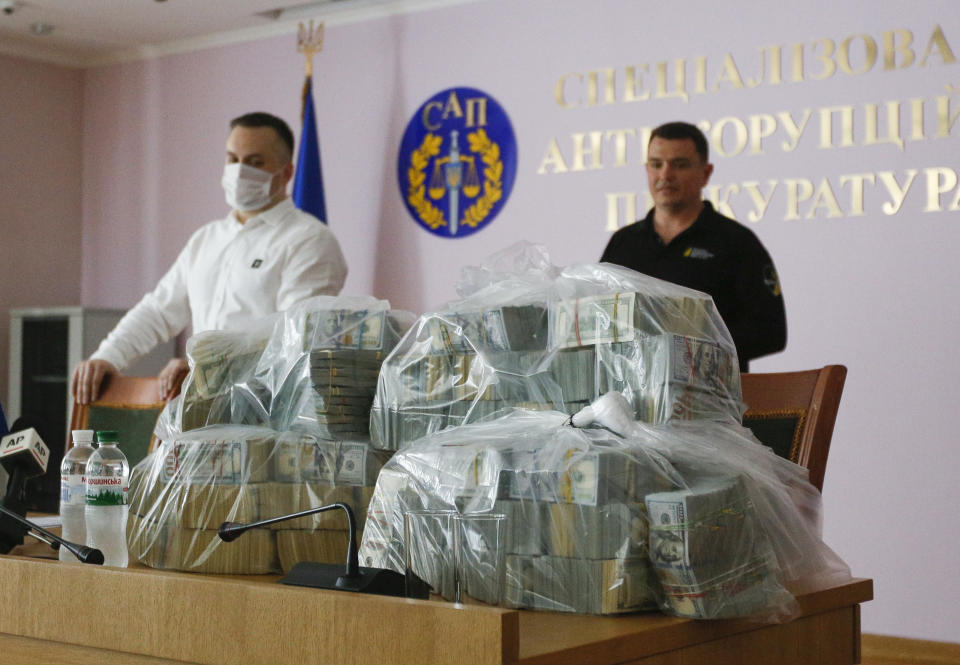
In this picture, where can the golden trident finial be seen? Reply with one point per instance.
(310, 41)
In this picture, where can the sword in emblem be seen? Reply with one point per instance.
(453, 171)
(451, 181)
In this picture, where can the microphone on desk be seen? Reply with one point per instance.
(352, 577)
(83, 553)
(24, 455)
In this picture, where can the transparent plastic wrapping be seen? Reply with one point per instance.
(217, 390)
(651, 496)
(189, 486)
(534, 336)
(695, 517)
(311, 368)
(322, 362)
(573, 501)
(271, 421)
(746, 523)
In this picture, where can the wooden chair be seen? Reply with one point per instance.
(794, 413)
(128, 404)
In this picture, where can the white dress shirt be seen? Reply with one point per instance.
(230, 274)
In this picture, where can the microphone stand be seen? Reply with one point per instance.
(327, 575)
(83, 553)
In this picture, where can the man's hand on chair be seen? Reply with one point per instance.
(171, 377)
(87, 378)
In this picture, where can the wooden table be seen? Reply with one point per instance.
(71, 613)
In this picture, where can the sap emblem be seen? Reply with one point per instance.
(457, 162)
(256, 263)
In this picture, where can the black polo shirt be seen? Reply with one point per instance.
(720, 257)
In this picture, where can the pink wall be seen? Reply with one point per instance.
(40, 219)
(874, 291)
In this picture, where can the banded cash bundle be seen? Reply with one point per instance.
(419, 397)
(576, 525)
(661, 351)
(661, 345)
(303, 458)
(584, 586)
(343, 385)
(499, 328)
(672, 377)
(162, 545)
(350, 328)
(227, 456)
(321, 537)
(326, 359)
(710, 552)
(219, 360)
(184, 491)
(620, 317)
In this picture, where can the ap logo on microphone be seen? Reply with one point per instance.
(457, 162)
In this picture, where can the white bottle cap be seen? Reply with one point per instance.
(83, 437)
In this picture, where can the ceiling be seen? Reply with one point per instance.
(92, 32)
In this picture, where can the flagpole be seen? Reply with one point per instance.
(308, 181)
(309, 42)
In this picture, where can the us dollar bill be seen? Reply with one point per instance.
(709, 551)
(344, 328)
(593, 320)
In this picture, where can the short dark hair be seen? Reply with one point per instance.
(261, 119)
(673, 131)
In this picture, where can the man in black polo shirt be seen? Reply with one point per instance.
(685, 241)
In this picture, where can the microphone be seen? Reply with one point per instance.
(354, 578)
(82, 552)
(24, 455)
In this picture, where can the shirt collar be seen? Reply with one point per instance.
(271, 216)
(705, 213)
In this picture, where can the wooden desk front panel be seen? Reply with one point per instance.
(218, 620)
(831, 638)
(222, 621)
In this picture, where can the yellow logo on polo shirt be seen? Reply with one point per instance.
(698, 253)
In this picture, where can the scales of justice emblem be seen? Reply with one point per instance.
(457, 162)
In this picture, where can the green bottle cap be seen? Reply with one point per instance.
(107, 436)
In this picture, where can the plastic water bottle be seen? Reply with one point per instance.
(73, 490)
(108, 476)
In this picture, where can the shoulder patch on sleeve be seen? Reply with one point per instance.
(771, 280)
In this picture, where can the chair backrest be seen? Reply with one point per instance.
(128, 404)
(794, 413)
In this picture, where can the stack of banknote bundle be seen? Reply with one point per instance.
(576, 525)
(661, 348)
(710, 553)
(186, 489)
(330, 360)
(593, 523)
(312, 368)
(220, 361)
(662, 352)
(342, 384)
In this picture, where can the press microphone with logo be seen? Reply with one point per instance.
(24, 455)
(351, 577)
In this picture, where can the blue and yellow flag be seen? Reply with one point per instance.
(308, 184)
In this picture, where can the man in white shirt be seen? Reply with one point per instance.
(262, 258)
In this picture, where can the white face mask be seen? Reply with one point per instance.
(246, 187)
